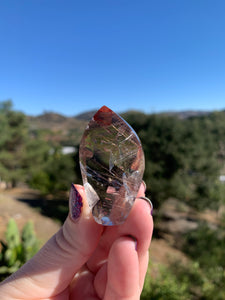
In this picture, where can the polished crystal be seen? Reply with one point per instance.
(112, 166)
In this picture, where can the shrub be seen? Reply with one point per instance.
(165, 286)
(17, 249)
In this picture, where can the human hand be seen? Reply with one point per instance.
(85, 260)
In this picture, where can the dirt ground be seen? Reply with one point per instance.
(10, 207)
(45, 227)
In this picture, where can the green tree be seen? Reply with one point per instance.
(14, 134)
(56, 174)
(181, 157)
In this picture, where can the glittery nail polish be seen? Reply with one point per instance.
(75, 203)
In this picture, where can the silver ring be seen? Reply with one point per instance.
(148, 200)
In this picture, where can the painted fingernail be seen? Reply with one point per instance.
(75, 203)
(144, 184)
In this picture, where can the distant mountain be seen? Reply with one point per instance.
(53, 117)
(58, 128)
(179, 114)
(68, 130)
(187, 113)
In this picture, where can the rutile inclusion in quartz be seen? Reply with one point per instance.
(112, 166)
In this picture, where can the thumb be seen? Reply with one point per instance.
(51, 270)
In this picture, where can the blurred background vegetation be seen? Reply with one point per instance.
(185, 168)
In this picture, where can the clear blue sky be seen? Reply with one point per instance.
(72, 56)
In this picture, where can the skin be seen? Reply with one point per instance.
(85, 260)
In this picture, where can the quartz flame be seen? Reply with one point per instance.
(112, 166)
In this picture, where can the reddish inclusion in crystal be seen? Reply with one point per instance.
(104, 116)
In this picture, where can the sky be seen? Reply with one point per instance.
(73, 56)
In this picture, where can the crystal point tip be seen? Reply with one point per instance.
(105, 108)
(104, 116)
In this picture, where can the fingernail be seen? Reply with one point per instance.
(144, 184)
(75, 203)
(135, 241)
(149, 202)
(135, 245)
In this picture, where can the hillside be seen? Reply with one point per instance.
(58, 128)
(68, 130)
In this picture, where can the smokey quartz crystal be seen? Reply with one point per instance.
(112, 166)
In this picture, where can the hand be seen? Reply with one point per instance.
(85, 260)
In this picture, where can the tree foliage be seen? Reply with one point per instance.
(164, 286)
(14, 132)
(27, 157)
(183, 156)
